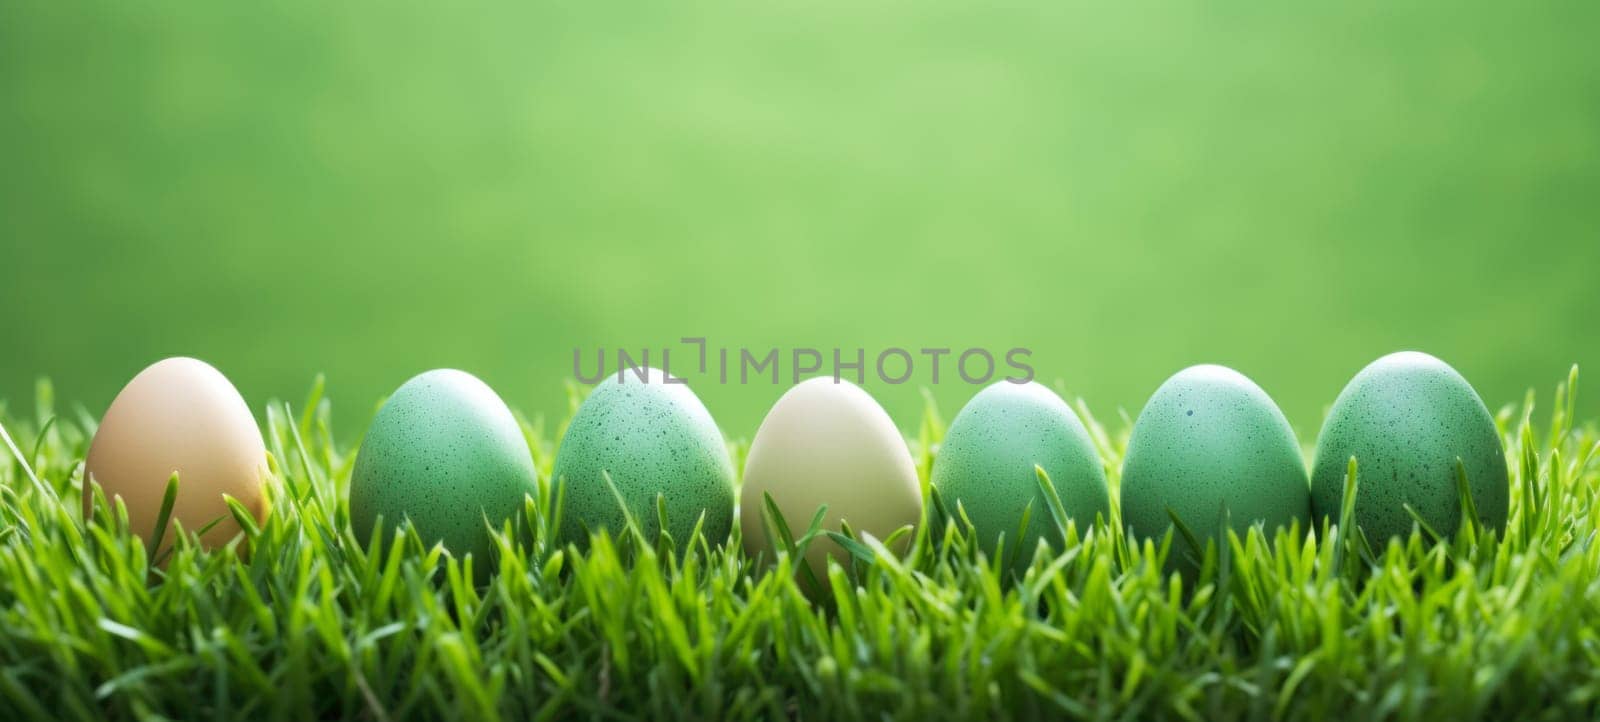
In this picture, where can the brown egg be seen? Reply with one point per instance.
(179, 415)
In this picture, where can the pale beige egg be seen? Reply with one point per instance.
(179, 415)
(828, 442)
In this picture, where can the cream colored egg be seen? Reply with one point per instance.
(179, 415)
(828, 443)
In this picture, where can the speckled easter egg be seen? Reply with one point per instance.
(653, 437)
(1211, 445)
(1406, 418)
(986, 465)
(445, 452)
(180, 416)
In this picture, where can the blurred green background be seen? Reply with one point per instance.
(296, 188)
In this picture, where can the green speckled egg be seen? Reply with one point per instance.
(1210, 442)
(652, 438)
(1406, 418)
(986, 464)
(446, 452)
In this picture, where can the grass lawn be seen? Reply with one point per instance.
(1296, 624)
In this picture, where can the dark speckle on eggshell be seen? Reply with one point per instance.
(650, 438)
(445, 452)
(1406, 418)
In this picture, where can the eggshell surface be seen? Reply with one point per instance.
(181, 416)
(828, 443)
(651, 438)
(445, 452)
(1214, 448)
(1406, 418)
(986, 465)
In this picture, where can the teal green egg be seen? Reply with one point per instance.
(1407, 418)
(446, 453)
(986, 465)
(652, 439)
(1213, 447)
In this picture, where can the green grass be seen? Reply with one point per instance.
(1296, 624)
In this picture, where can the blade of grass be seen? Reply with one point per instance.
(163, 517)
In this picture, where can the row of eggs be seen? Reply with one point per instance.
(1210, 447)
